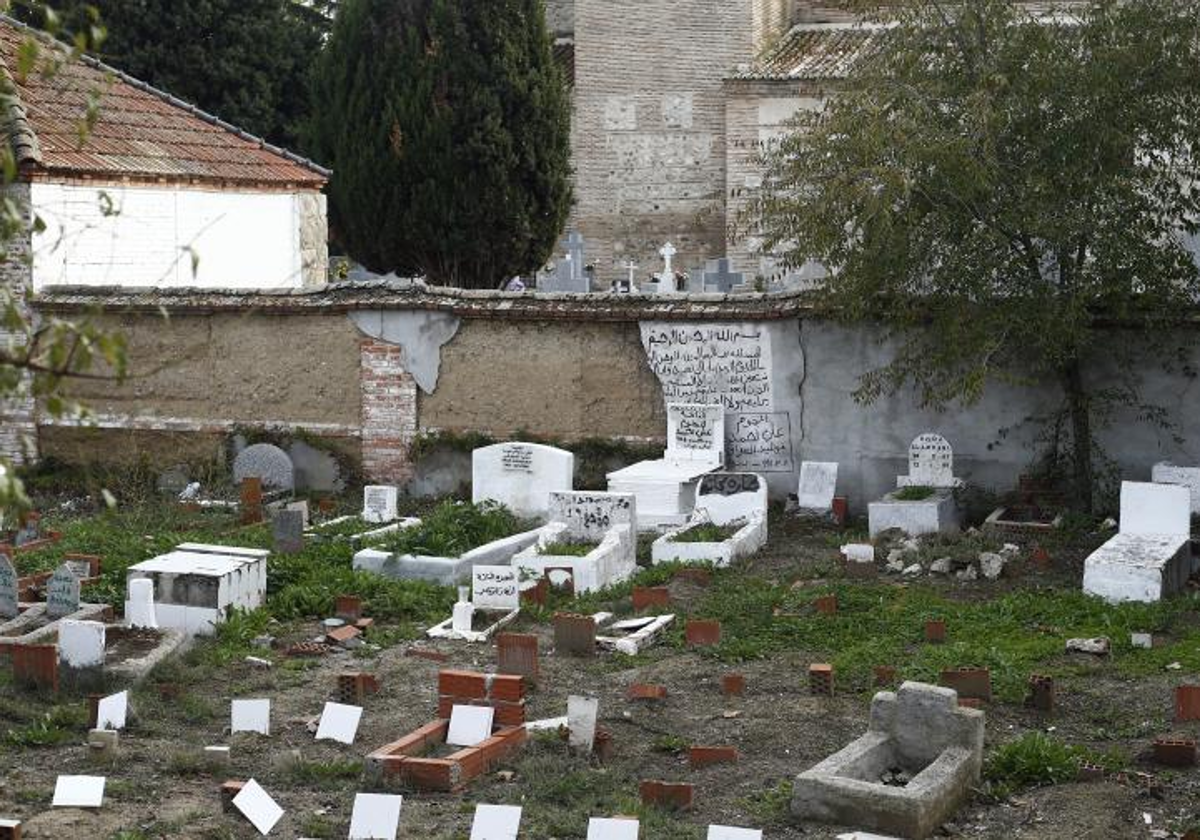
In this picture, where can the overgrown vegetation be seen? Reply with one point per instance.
(454, 528)
(705, 533)
(567, 549)
(1037, 760)
(914, 494)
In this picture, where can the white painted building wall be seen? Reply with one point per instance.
(168, 237)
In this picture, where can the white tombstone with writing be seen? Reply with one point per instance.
(818, 485)
(521, 476)
(81, 644)
(930, 463)
(606, 520)
(62, 593)
(726, 499)
(9, 589)
(495, 588)
(666, 489)
(379, 504)
(1150, 557)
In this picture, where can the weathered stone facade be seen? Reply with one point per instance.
(18, 427)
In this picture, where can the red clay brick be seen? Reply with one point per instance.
(35, 665)
(1175, 752)
(1041, 558)
(646, 691)
(935, 631)
(703, 632)
(12, 832)
(700, 577)
(229, 790)
(885, 675)
(645, 597)
(364, 624)
(354, 686)
(342, 634)
(602, 745)
(507, 687)
(675, 795)
(462, 684)
(733, 685)
(251, 501)
(517, 653)
(348, 608)
(841, 510)
(574, 635)
(971, 683)
(820, 679)
(1187, 702)
(1041, 693)
(699, 757)
(826, 605)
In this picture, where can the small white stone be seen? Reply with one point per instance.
(1009, 551)
(991, 565)
(968, 573)
(1141, 640)
(913, 570)
(941, 566)
(1098, 646)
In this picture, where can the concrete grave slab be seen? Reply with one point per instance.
(724, 499)
(1188, 477)
(921, 729)
(251, 716)
(78, 792)
(1150, 557)
(607, 519)
(938, 514)
(376, 816)
(521, 476)
(469, 725)
(197, 585)
(496, 822)
(339, 723)
(581, 721)
(258, 807)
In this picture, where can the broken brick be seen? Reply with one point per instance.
(885, 675)
(971, 683)
(251, 501)
(703, 632)
(517, 653)
(574, 635)
(364, 624)
(35, 665)
(229, 790)
(733, 685)
(676, 795)
(342, 635)
(699, 757)
(602, 745)
(826, 605)
(1187, 702)
(935, 631)
(1041, 693)
(1175, 752)
(646, 691)
(820, 679)
(645, 597)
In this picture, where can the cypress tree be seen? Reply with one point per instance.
(446, 123)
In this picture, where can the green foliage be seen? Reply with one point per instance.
(51, 729)
(914, 494)
(1037, 760)
(705, 533)
(446, 123)
(566, 549)
(247, 61)
(997, 192)
(454, 528)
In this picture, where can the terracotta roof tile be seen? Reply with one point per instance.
(816, 52)
(140, 132)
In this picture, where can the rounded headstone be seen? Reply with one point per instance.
(139, 612)
(266, 462)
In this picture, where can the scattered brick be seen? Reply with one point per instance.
(602, 745)
(1187, 702)
(645, 597)
(10, 830)
(93, 701)
(733, 685)
(820, 679)
(517, 653)
(574, 635)
(308, 649)
(35, 666)
(466, 685)
(674, 795)
(885, 675)
(1175, 752)
(1041, 693)
(935, 631)
(326, 505)
(971, 683)
(646, 691)
(703, 632)
(537, 593)
(354, 686)
(1041, 558)
(841, 510)
(431, 655)
(348, 608)
(405, 759)
(229, 790)
(700, 757)
(1090, 772)
(343, 634)
(826, 605)
(700, 577)
(251, 501)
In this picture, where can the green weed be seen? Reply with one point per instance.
(1037, 760)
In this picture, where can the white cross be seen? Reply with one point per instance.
(666, 252)
(631, 266)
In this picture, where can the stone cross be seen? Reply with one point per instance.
(574, 246)
(62, 593)
(667, 252)
(631, 267)
(722, 280)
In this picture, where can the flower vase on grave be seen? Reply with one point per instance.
(464, 610)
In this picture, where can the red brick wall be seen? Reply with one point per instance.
(389, 412)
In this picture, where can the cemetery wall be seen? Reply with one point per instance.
(18, 432)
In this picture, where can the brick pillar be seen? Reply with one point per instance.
(389, 412)
(18, 425)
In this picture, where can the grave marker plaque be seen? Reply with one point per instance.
(495, 588)
(62, 593)
(287, 527)
(379, 504)
(8, 589)
(930, 461)
(818, 484)
(516, 458)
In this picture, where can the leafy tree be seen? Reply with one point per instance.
(247, 61)
(39, 352)
(446, 123)
(998, 190)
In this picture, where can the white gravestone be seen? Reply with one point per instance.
(81, 643)
(496, 822)
(112, 710)
(9, 589)
(603, 828)
(268, 463)
(250, 716)
(258, 807)
(78, 792)
(62, 593)
(725, 498)
(379, 504)
(1188, 477)
(930, 463)
(590, 516)
(581, 721)
(139, 611)
(696, 433)
(728, 832)
(818, 486)
(339, 723)
(469, 725)
(521, 476)
(1150, 557)
(495, 588)
(376, 816)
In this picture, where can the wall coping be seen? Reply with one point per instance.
(410, 294)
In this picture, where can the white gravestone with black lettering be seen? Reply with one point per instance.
(62, 593)
(379, 504)
(607, 522)
(521, 476)
(9, 589)
(737, 500)
(818, 485)
(930, 463)
(495, 588)
(930, 467)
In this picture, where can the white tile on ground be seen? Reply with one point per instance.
(496, 822)
(469, 725)
(112, 711)
(257, 806)
(601, 828)
(728, 832)
(79, 792)
(376, 816)
(251, 716)
(339, 723)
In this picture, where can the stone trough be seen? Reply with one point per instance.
(919, 730)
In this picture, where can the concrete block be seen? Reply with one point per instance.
(936, 515)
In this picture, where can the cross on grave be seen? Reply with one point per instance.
(722, 279)
(574, 246)
(667, 252)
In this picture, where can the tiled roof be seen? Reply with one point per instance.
(140, 131)
(816, 52)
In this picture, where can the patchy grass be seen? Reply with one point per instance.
(706, 533)
(914, 494)
(50, 729)
(1038, 760)
(566, 549)
(454, 528)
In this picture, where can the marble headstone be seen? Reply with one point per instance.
(62, 593)
(732, 497)
(495, 588)
(521, 476)
(818, 485)
(287, 527)
(9, 589)
(379, 504)
(590, 516)
(696, 433)
(268, 463)
(930, 463)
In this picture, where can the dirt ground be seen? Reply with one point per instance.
(157, 787)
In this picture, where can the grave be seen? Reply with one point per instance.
(62, 593)
(923, 502)
(1188, 477)
(818, 485)
(919, 729)
(287, 531)
(9, 590)
(666, 488)
(258, 807)
(379, 504)
(496, 822)
(736, 502)
(198, 585)
(81, 647)
(270, 464)
(717, 277)
(1150, 557)
(570, 275)
(521, 476)
(495, 603)
(605, 521)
